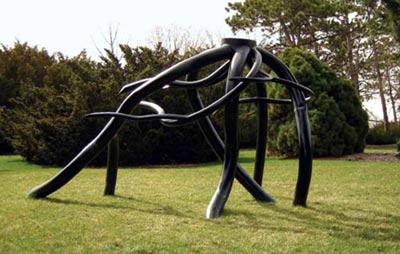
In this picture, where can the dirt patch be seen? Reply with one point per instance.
(389, 157)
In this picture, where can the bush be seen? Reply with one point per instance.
(19, 65)
(338, 122)
(378, 136)
(46, 124)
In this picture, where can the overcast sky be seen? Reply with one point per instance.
(72, 25)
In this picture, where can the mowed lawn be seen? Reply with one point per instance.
(354, 207)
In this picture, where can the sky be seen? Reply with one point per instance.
(73, 25)
(69, 26)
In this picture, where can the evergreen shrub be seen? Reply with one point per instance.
(338, 122)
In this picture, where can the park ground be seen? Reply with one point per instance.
(354, 207)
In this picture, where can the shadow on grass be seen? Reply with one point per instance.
(338, 221)
(136, 206)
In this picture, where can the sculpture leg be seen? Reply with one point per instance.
(113, 126)
(214, 140)
(305, 156)
(303, 128)
(261, 146)
(231, 110)
(112, 166)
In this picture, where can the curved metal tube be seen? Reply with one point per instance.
(178, 119)
(112, 166)
(217, 145)
(132, 86)
(268, 100)
(264, 100)
(303, 128)
(152, 106)
(214, 77)
(281, 101)
(113, 126)
(276, 80)
(261, 144)
(231, 153)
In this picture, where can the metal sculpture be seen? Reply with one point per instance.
(237, 53)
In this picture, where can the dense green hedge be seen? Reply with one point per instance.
(338, 122)
(378, 136)
(20, 64)
(46, 123)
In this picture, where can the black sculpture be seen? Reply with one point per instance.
(238, 53)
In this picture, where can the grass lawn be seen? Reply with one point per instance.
(381, 148)
(354, 207)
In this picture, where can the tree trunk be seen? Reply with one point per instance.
(289, 39)
(380, 85)
(352, 69)
(392, 99)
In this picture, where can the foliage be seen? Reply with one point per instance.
(19, 65)
(393, 7)
(338, 123)
(378, 136)
(46, 123)
(294, 22)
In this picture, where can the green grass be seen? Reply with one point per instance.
(354, 207)
(381, 148)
